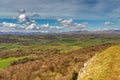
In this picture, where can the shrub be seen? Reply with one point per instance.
(74, 75)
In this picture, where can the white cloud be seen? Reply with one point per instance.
(9, 25)
(57, 27)
(44, 28)
(23, 18)
(82, 25)
(108, 23)
(71, 24)
(45, 25)
(31, 26)
(68, 22)
(59, 19)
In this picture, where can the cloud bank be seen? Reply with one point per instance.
(25, 23)
(65, 24)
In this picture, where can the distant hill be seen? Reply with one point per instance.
(70, 32)
(112, 31)
(95, 32)
(104, 66)
(20, 33)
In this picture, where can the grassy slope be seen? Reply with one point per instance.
(8, 46)
(104, 66)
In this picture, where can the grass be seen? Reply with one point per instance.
(9, 45)
(83, 43)
(104, 66)
(69, 49)
(4, 63)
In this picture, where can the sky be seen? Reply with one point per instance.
(106, 12)
(84, 9)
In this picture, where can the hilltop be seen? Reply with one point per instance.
(103, 66)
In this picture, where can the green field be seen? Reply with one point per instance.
(6, 62)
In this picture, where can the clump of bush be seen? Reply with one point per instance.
(74, 75)
(22, 61)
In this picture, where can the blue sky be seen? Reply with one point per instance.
(84, 9)
(104, 14)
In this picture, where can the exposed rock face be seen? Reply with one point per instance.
(84, 70)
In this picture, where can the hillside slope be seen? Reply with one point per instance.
(103, 66)
(52, 67)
